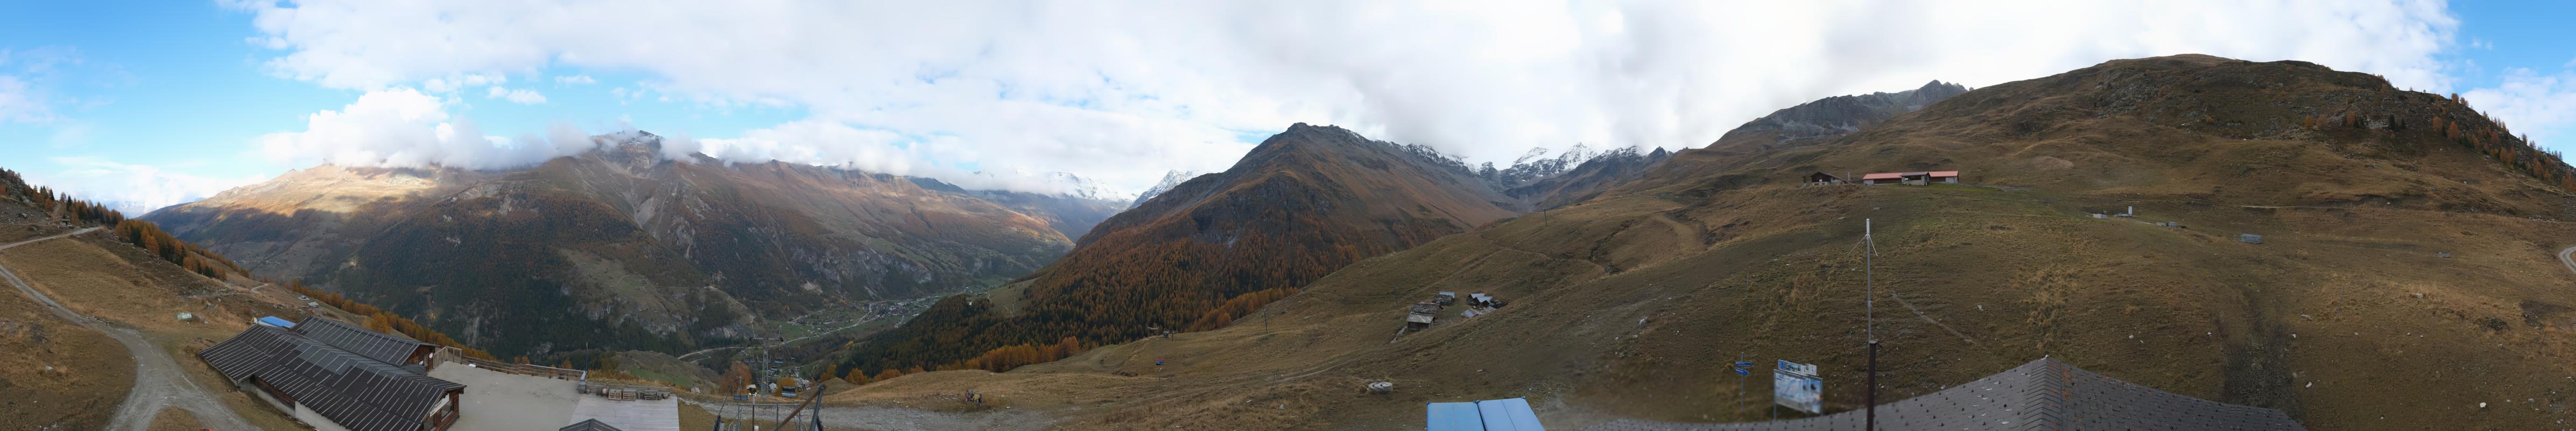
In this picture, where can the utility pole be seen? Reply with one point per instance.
(1869, 317)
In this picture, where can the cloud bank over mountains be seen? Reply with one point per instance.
(405, 128)
(1125, 91)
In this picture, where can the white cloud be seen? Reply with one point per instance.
(131, 189)
(21, 104)
(70, 135)
(2542, 106)
(520, 96)
(25, 78)
(1125, 91)
(453, 82)
(403, 128)
(576, 80)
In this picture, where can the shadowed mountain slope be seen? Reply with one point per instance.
(1304, 203)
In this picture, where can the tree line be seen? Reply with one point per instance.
(380, 320)
(2457, 122)
(57, 206)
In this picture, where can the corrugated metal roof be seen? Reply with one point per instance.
(383, 347)
(352, 390)
(2041, 395)
(1939, 174)
(1882, 176)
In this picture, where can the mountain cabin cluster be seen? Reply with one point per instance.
(1876, 178)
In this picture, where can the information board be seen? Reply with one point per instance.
(1796, 386)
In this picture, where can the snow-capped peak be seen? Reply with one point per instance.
(1170, 180)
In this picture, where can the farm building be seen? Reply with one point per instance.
(1823, 178)
(1913, 178)
(335, 376)
(1419, 316)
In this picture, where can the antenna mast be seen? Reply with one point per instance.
(1869, 317)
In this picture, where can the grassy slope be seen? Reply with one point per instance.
(121, 284)
(1629, 305)
(90, 374)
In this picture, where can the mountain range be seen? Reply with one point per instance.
(2403, 241)
(621, 247)
(2274, 234)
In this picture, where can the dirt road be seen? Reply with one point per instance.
(2564, 259)
(911, 419)
(158, 382)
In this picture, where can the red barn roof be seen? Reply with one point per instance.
(1881, 176)
(1944, 174)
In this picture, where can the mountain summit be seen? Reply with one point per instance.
(1300, 205)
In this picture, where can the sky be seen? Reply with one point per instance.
(149, 104)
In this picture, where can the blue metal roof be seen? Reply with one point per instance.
(277, 322)
(1455, 417)
(1510, 414)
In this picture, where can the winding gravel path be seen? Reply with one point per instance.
(158, 382)
(2564, 259)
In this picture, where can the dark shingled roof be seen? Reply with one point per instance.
(382, 347)
(354, 391)
(588, 425)
(2042, 395)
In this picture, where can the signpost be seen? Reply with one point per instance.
(1796, 386)
(1742, 368)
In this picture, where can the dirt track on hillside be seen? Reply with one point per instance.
(158, 381)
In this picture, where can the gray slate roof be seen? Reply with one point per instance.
(354, 391)
(2041, 395)
(382, 347)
